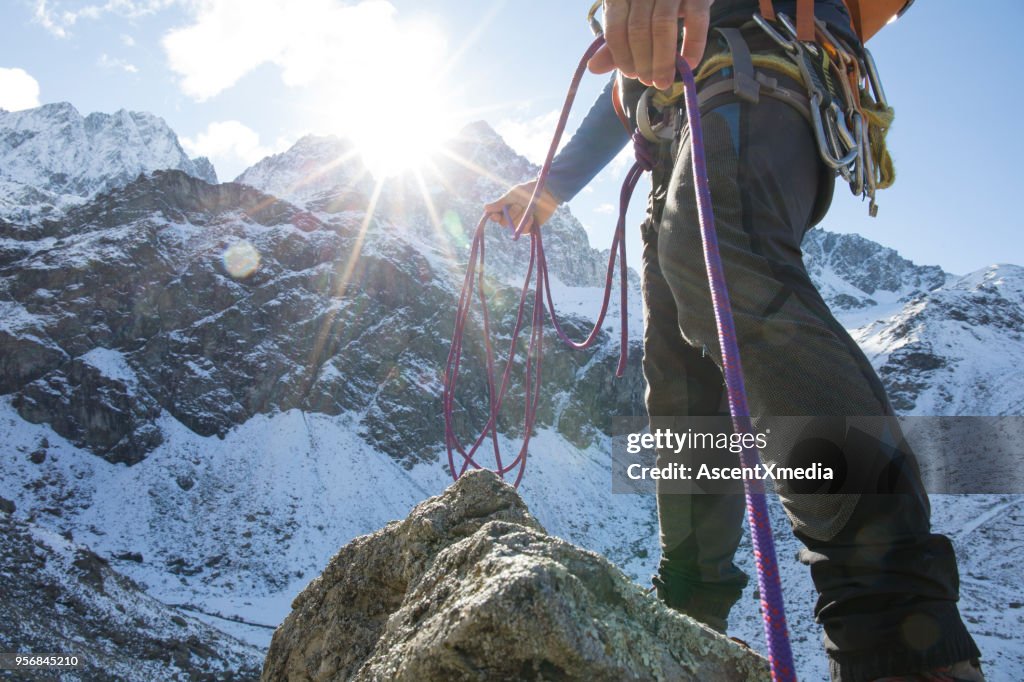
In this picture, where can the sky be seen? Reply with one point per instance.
(241, 79)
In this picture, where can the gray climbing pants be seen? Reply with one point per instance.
(887, 585)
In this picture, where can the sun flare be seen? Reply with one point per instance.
(393, 137)
(390, 99)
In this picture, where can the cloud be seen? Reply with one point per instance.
(605, 208)
(18, 90)
(127, 40)
(357, 69)
(326, 42)
(108, 62)
(58, 18)
(530, 137)
(48, 20)
(231, 145)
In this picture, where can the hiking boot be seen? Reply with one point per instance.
(964, 671)
(705, 608)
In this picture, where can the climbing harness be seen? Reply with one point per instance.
(773, 612)
(844, 103)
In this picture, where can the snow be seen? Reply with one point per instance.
(301, 485)
(585, 303)
(121, 605)
(975, 324)
(312, 168)
(14, 319)
(52, 158)
(111, 364)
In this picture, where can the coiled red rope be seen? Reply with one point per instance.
(538, 286)
(780, 656)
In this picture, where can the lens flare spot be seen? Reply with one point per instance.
(241, 259)
(453, 226)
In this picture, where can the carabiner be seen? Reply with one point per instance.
(849, 141)
(863, 165)
(788, 45)
(828, 152)
(875, 79)
(791, 29)
(595, 25)
(659, 132)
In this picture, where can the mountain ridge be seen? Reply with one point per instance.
(52, 158)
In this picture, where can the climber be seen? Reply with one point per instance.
(887, 585)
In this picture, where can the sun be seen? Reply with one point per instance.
(390, 97)
(404, 129)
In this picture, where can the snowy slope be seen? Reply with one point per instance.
(862, 280)
(956, 350)
(57, 596)
(265, 508)
(53, 158)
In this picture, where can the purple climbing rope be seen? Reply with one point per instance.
(780, 656)
(773, 612)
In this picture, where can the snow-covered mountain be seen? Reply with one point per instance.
(855, 274)
(957, 349)
(318, 170)
(943, 344)
(53, 158)
(214, 388)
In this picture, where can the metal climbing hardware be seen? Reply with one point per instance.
(838, 146)
(660, 129)
(842, 97)
(849, 113)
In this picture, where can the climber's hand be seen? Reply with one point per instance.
(641, 36)
(516, 200)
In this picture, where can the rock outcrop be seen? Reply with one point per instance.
(470, 587)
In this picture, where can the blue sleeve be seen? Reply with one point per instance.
(597, 140)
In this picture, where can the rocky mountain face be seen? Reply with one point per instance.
(230, 384)
(470, 586)
(322, 171)
(212, 304)
(854, 273)
(53, 158)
